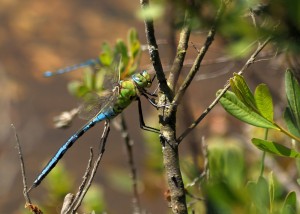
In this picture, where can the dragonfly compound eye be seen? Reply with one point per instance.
(142, 79)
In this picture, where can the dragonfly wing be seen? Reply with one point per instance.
(112, 74)
(95, 103)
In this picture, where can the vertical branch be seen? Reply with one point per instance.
(167, 120)
(154, 53)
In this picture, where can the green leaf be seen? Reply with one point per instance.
(292, 89)
(132, 36)
(291, 122)
(106, 55)
(236, 90)
(290, 204)
(82, 90)
(105, 47)
(121, 48)
(263, 100)
(105, 58)
(275, 148)
(245, 94)
(238, 109)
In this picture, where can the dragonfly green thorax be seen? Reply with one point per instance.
(129, 90)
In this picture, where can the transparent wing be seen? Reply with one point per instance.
(93, 102)
(112, 73)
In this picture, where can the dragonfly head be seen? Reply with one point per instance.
(142, 79)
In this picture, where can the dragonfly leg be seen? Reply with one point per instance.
(153, 103)
(141, 118)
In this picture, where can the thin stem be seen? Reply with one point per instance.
(263, 155)
(199, 58)
(22, 166)
(76, 203)
(33, 208)
(129, 147)
(249, 62)
(288, 133)
(70, 199)
(180, 54)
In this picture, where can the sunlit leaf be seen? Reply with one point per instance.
(106, 55)
(105, 58)
(275, 148)
(263, 100)
(122, 49)
(236, 90)
(239, 110)
(245, 94)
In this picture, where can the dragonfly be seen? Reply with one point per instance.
(119, 97)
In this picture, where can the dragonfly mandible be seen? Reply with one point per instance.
(116, 100)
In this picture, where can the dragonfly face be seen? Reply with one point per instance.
(142, 79)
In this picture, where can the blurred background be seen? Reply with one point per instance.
(36, 36)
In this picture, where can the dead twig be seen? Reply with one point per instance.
(71, 207)
(33, 208)
(131, 163)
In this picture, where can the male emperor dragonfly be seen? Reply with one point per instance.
(110, 105)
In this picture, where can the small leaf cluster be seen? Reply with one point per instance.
(257, 110)
(121, 58)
